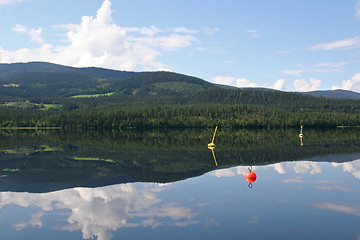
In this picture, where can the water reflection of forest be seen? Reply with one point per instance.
(80, 158)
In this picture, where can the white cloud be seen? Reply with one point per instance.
(185, 30)
(357, 9)
(35, 34)
(210, 31)
(315, 84)
(323, 64)
(243, 82)
(279, 85)
(322, 67)
(345, 44)
(5, 2)
(19, 29)
(283, 52)
(253, 33)
(353, 84)
(149, 31)
(97, 41)
(168, 43)
(103, 15)
(300, 72)
(303, 86)
(293, 72)
(334, 64)
(224, 80)
(298, 65)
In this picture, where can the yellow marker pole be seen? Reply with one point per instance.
(212, 142)
(301, 132)
(214, 134)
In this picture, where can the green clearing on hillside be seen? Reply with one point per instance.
(11, 85)
(93, 95)
(49, 106)
(31, 106)
(93, 159)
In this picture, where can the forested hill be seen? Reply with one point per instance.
(275, 99)
(48, 95)
(84, 88)
(26, 81)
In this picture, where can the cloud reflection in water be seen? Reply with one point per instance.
(300, 167)
(351, 167)
(99, 211)
(347, 208)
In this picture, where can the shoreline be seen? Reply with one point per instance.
(30, 128)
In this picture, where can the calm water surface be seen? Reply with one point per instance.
(141, 189)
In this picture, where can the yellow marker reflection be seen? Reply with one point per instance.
(213, 152)
(301, 135)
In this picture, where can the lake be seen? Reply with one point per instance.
(169, 185)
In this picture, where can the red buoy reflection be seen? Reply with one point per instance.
(250, 177)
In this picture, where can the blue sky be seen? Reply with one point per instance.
(287, 45)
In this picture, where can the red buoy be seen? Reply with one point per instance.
(250, 177)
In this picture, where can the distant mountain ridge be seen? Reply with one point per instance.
(339, 93)
(9, 69)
